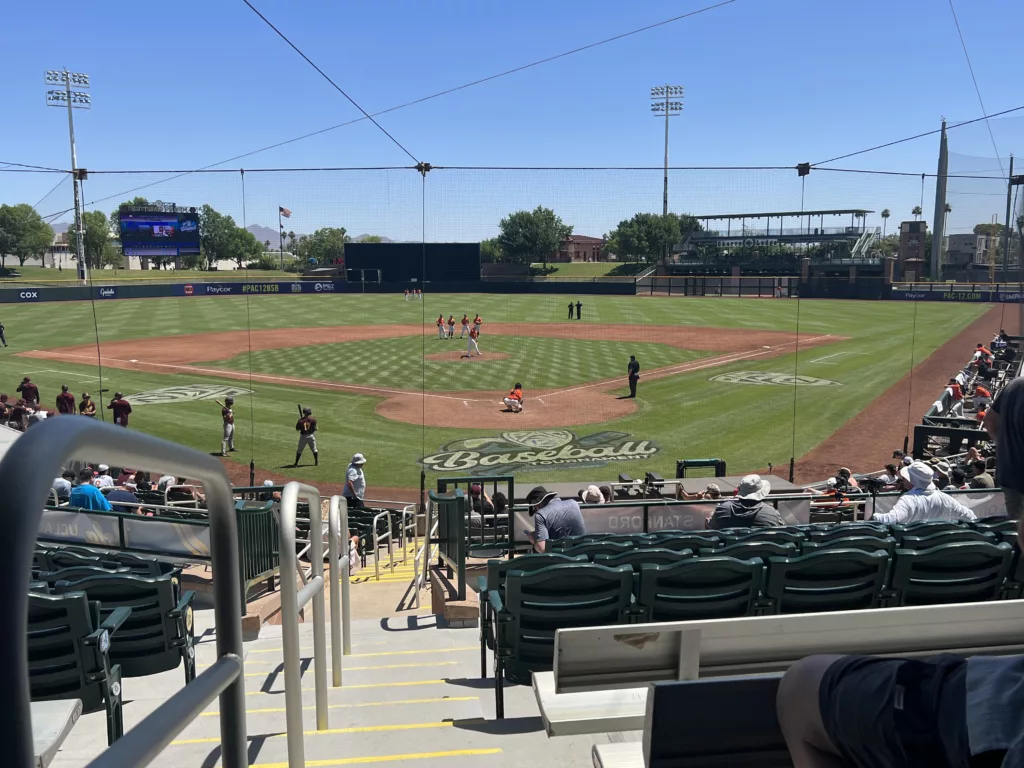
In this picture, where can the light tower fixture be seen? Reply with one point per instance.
(667, 101)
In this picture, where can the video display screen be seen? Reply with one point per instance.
(180, 230)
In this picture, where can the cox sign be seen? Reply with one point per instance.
(29, 295)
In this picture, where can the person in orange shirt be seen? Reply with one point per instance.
(471, 344)
(982, 352)
(982, 398)
(440, 327)
(514, 401)
(465, 326)
(451, 326)
(476, 323)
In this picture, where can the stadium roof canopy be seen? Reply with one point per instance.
(781, 214)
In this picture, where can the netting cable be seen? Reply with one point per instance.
(910, 383)
(796, 370)
(95, 319)
(52, 190)
(248, 332)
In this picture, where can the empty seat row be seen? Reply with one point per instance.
(526, 603)
(49, 560)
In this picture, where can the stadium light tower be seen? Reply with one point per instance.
(666, 100)
(65, 97)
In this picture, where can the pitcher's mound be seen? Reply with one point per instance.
(458, 355)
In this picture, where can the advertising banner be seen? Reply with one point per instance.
(1005, 297)
(79, 527)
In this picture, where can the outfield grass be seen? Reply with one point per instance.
(583, 268)
(685, 415)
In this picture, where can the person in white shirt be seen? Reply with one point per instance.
(355, 482)
(62, 486)
(103, 479)
(923, 501)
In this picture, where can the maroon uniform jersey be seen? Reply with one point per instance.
(306, 425)
(29, 391)
(121, 409)
(65, 403)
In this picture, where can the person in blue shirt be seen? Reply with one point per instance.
(86, 495)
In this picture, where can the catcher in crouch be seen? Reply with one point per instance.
(514, 401)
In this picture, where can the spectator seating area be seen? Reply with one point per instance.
(97, 617)
(736, 573)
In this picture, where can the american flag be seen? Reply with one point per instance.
(284, 212)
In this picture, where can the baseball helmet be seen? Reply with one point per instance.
(229, 400)
(307, 411)
(118, 395)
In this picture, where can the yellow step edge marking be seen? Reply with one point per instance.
(386, 758)
(380, 653)
(327, 732)
(274, 710)
(363, 669)
(350, 687)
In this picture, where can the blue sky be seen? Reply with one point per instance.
(768, 82)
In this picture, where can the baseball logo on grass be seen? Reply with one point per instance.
(537, 450)
(777, 379)
(186, 394)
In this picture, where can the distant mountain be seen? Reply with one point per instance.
(266, 233)
(60, 227)
(360, 238)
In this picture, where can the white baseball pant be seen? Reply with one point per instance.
(229, 438)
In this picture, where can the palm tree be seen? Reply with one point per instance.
(885, 219)
(266, 244)
(947, 209)
(916, 212)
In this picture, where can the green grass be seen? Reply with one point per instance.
(590, 268)
(43, 275)
(685, 415)
(544, 362)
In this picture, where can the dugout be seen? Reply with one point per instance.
(416, 262)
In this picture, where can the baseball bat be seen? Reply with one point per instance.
(299, 406)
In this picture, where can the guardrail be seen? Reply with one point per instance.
(451, 536)
(292, 600)
(26, 476)
(341, 618)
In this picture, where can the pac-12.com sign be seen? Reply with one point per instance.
(537, 450)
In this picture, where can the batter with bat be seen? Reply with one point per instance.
(306, 427)
(227, 415)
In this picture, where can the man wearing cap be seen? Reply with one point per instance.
(553, 518)
(922, 500)
(29, 392)
(121, 409)
(103, 478)
(355, 482)
(87, 407)
(479, 500)
(747, 509)
(227, 416)
(65, 401)
(592, 495)
(306, 427)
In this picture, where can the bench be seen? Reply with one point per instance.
(749, 736)
(600, 676)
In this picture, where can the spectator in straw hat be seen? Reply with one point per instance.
(553, 518)
(747, 509)
(922, 500)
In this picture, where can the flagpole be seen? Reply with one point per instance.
(280, 234)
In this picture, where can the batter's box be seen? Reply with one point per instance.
(186, 394)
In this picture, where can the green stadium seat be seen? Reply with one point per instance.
(1013, 587)
(598, 548)
(693, 543)
(636, 539)
(73, 574)
(826, 580)
(494, 579)
(159, 634)
(924, 528)
(745, 550)
(847, 530)
(947, 537)
(62, 558)
(949, 573)
(764, 534)
(863, 543)
(994, 524)
(538, 603)
(699, 588)
(68, 654)
(836, 515)
(635, 558)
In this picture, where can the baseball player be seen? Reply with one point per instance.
(29, 392)
(514, 401)
(306, 427)
(451, 326)
(633, 369)
(121, 409)
(87, 407)
(440, 327)
(477, 322)
(579, 309)
(570, 310)
(227, 415)
(5, 409)
(471, 344)
(406, 294)
(465, 326)
(3, 339)
(65, 401)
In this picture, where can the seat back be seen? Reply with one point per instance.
(557, 597)
(60, 664)
(728, 721)
(826, 580)
(498, 569)
(692, 542)
(74, 574)
(557, 545)
(924, 528)
(994, 524)
(947, 537)
(885, 544)
(745, 550)
(950, 573)
(60, 558)
(635, 558)
(765, 534)
(150, 641)
(846, 530)
(598, 548)
(699, 588)
(140, 566)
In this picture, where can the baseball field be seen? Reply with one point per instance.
(752, 381)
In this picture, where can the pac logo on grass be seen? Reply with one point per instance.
(186, 394)
(545, 449)
(779, 379)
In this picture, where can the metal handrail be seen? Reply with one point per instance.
(341, 633)
(26, 476)
(292, 600)
(376, 544)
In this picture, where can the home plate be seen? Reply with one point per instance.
(764, 347)
(133, 361)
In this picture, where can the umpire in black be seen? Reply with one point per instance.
(634, 375)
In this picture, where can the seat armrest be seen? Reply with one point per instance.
(116, 618)
(481, 583)
(185, 602)
(495, 600)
